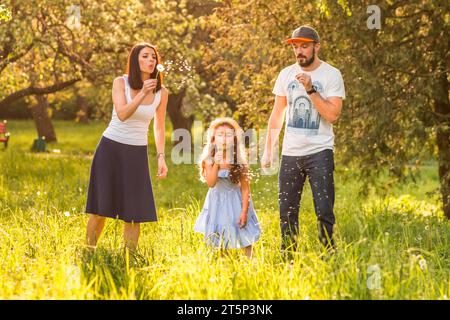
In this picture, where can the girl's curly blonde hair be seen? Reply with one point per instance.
(239, 166)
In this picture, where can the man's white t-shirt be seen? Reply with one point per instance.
(306, 132)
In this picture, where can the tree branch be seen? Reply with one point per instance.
(34, 90)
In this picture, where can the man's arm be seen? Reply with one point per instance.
(274, 128)
(329, 109)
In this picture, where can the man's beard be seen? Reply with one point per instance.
(309, 61)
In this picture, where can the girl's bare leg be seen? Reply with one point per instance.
(248, 251)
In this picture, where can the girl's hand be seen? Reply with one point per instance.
(242, 220)
(218, 157)
(148, 86)
(162, 168)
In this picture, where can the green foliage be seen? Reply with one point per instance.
(93, 45)
(393, 76)
(42, 230)
(5, 14)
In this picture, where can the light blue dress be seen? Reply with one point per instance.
(219, 218)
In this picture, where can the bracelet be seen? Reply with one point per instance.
(159, 154)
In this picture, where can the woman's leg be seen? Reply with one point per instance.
(248, 251)
(94, 229)
(131, 235)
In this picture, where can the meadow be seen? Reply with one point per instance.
(389, 247)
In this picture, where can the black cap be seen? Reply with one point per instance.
(304, 34)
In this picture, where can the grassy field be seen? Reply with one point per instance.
(394, 247)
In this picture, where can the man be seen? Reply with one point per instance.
(311, 92)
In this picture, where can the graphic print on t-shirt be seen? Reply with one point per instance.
(303, 116)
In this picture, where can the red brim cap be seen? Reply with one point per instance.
(293, 40)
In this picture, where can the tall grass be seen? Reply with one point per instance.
(42, 232)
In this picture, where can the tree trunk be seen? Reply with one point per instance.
(39, 111)
(442, 107)
(42, 120)
(175, 111)
(82, 113)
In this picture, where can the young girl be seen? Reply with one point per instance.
(228, 219)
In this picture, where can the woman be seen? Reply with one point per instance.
(120, 185)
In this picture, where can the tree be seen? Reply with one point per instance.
(397, 110)
(399, 80)
(43, 50)
(89, 40)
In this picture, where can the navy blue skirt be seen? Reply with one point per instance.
(120, 185)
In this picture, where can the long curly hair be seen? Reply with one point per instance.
(239, 166)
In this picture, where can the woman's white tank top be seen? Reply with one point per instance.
(134, 130)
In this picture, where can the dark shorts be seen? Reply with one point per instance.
(120, 185)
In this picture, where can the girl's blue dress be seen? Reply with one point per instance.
(219, 218)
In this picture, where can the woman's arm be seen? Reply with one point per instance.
(159, 131)
(159, 125)
(125, 110)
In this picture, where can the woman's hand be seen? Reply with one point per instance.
(148, 86)
(242, 220)
(162, 168)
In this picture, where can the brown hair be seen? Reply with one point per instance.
(239, 168)
(134, 71)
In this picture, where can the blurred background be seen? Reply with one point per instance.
(58, 59)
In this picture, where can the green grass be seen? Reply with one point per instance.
(42, 232)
